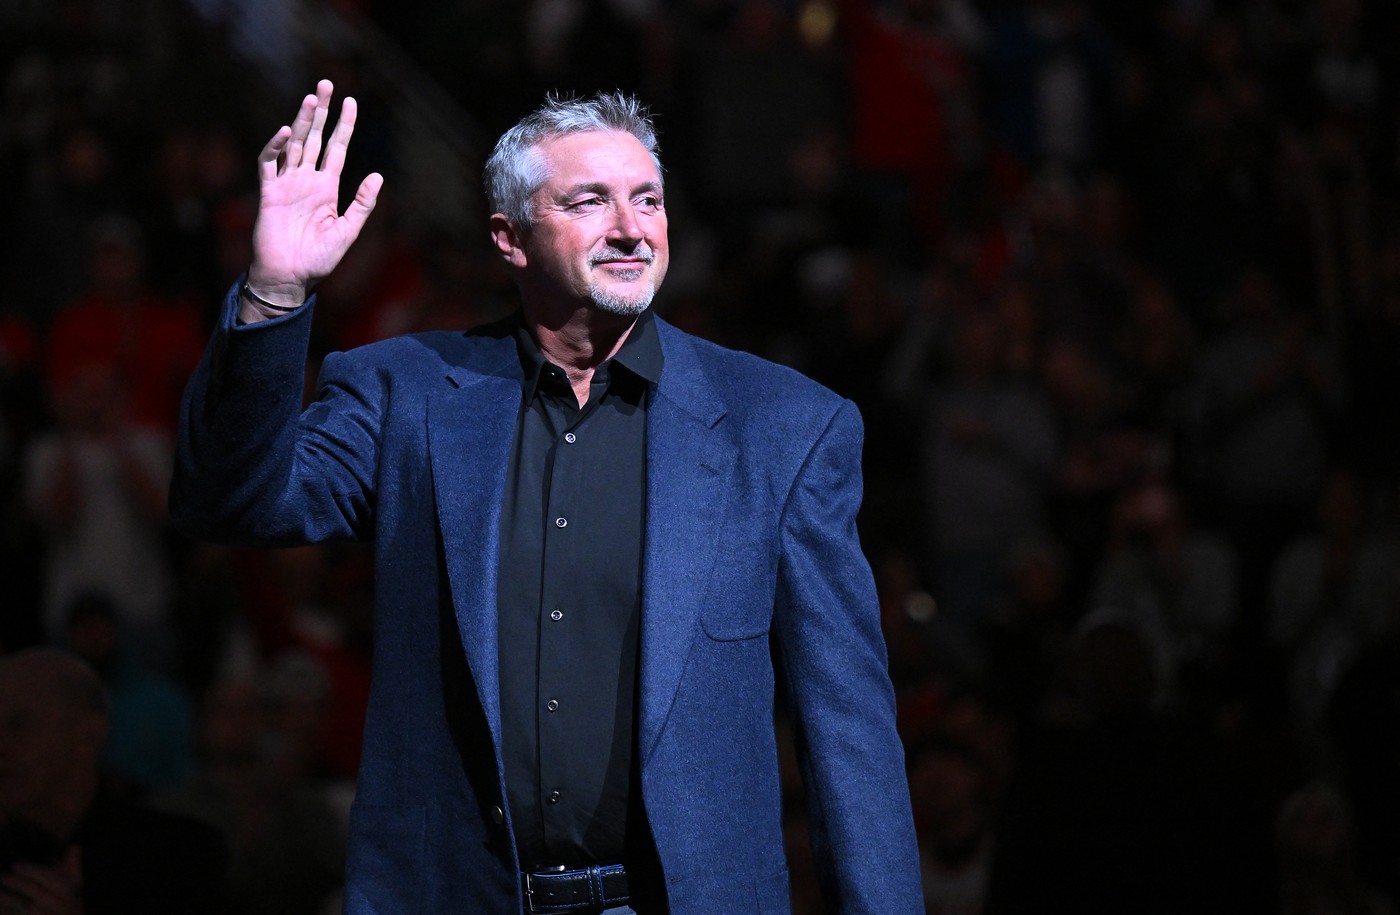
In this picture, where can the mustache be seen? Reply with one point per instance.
(641, 252)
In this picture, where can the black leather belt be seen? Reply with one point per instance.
(561, 890)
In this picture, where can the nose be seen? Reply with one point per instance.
(625, 227)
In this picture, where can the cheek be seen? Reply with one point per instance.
(654, 233)
(575, 245)
(555, 253)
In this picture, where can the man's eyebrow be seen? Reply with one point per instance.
(585, 187)
(598, 187)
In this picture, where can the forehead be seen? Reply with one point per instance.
(31, 685)
(25, 699)
(608, 157)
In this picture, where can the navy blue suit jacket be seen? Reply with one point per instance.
(753, 481)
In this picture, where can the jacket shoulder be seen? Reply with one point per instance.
(744, 379)
(487, 348)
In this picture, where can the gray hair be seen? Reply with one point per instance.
(515, 170)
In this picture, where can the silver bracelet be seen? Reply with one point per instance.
(281, 309)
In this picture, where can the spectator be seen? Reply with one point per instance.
(286, 839)
(1050, 71)
(1315, 856)
(118, 325)
(1159, 566)
(953, 812)
(96, 486)
(66, 844)
(1264, 395)
(1028, 628)
(1155, 347)
(1331, 592)
(150, 738)
(911, 89)
(1103, 452)
(989, 448)
(21, 413)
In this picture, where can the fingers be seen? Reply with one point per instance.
(340, 137)
(267, 159)
(311, 152)
(300, 144)
(301, 126)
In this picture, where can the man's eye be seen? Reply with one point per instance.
(649, 202)
(586, 203)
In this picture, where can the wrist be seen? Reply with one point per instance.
(280, 305)
(278, 292)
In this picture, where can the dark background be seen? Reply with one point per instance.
(1115, 285)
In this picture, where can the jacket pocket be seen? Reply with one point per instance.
(731, 623)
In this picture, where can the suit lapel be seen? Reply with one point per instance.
(690, 460)
(471, 427)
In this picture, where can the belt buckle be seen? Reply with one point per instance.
(529, 888)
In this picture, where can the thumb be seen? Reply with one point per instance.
(365, 198)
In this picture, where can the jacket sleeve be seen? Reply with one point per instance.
(252, 466)
(839, 692)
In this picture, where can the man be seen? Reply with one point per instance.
(67, 847)
(588, 528)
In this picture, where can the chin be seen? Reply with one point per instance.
(631, 305)
(622, 309)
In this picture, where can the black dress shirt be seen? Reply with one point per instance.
(569, 604)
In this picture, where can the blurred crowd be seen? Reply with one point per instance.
(1116, 287)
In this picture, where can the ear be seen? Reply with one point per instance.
(509, 240)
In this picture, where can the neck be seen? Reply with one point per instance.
(580, 341)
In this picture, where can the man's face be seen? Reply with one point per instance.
(599, 230)
(42, 740)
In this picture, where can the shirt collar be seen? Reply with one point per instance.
(640, 353)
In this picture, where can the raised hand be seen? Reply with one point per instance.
(299, 236)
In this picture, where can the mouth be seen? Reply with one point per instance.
(623, 271)
(632, 262)
(633, 258)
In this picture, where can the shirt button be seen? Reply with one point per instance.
(556, 615)
(561, 522)
(554, 797)
(552, 705)
(498, 816)
(570, 437)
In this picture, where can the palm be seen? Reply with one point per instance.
(300, 236)
(299, 233)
